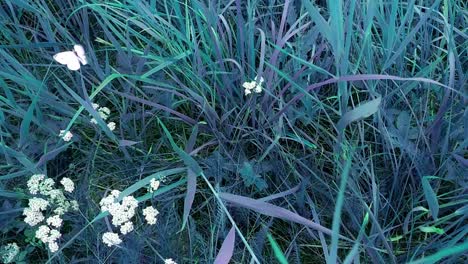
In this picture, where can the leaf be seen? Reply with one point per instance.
(432, 229)
(431, 196)
(193, 137)
(396, 238)
(273, 211)
(277, 250)
(127, 143)
(227, 248)
(189, 196)
(250, 178)
(362, 111)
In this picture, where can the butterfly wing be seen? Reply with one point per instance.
(80, 52)
(68, 58)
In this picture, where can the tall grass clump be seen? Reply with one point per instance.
(253, 131)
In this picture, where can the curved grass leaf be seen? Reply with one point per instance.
(273, 211)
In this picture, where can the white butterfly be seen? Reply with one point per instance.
(72, 58)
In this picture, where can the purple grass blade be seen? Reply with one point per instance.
(191, 190)
(273, 211)
(227, 248)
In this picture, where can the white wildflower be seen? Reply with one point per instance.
(111, 239)
(54, 221)
(258, 89)
(34, 182)
(150, 214)
(54, 235)
(93, 121)
(109, 200)
(254, 85)
(68, 184)
(111, 126)
(249, 85)
(104, 112)
(46, 186)
(126, 228)
(9, 252)
(53, 246)
(38, 204)
(154, 185)
(95, 106)
(120, 212)
(43, 233)
(65, 135)
(169, 261)
(115, 193)
(32, 217)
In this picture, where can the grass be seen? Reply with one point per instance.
(355, 151)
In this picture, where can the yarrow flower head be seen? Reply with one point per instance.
(111, 126)
(255, 86)
(32, 217)
(46, 186)
(34, 183)
(68, 184)
(126, 228)
(169, 261)
(65, 135)
(38, 204)
(150, 214)
(48, 236)
(9, 252)
(111, 239)
(154, 185)
(54, 221)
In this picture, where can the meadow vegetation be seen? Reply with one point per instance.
(234, 131)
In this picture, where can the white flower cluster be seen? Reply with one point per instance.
(121, 212)
(65, 135)
(169, 261)
(38, 184)
(154, 185)
(104, 113)
(48, 236)
(254, 85)
(9, 252)
(68, 184)
(150, 213)
(111, 239)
